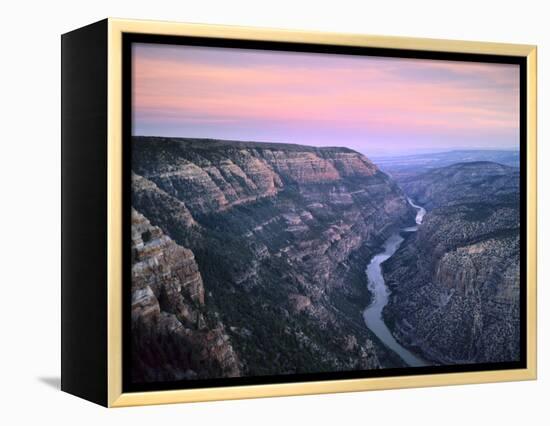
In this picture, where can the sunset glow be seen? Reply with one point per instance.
(371, 104)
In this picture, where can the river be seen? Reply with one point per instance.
(377, 286)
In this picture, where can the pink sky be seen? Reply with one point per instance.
(371, 104)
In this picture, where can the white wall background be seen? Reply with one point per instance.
(30, 211)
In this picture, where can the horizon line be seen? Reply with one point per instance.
(380, 155)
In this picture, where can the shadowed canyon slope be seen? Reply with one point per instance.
(172, 332)
(455, 282)
(271, 242)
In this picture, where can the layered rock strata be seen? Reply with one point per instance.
(281, 235)
(174, 336)
(456, 282)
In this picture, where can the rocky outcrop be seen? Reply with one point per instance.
(281, 234)
(145, 192)
(455, 283)
(173, 335)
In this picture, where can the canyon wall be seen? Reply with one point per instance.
(280, 235)
(174, 335)
(455, 283)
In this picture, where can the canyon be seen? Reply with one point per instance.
(249, 259)
(279, 234)
(455, 284)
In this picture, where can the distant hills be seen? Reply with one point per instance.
(475, 181)
(403, 167)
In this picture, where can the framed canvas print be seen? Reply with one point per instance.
(251, 212)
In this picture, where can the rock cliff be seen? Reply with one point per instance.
(455, 283)
(281, 235)
(173, 335)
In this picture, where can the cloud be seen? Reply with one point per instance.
(205, 88)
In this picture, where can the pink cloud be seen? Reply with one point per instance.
(409, 96)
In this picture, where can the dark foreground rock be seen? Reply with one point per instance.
(174, 337)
